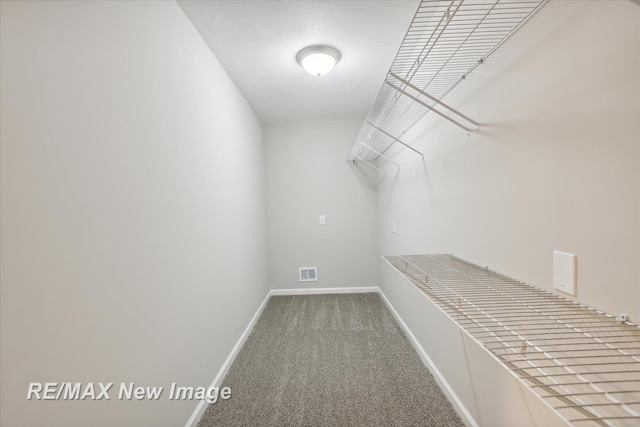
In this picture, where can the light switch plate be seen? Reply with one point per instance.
(322, 220)
(564, 272)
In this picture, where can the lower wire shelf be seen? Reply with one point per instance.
(583, 362)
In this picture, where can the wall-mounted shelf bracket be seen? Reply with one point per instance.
(355, 157)
(379, 154)
(394, 138)
(403, 86)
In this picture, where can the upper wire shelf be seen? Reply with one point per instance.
(445, 42)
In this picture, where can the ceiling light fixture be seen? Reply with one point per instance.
(318, 60)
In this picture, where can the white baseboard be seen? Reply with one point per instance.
(202, 405)
(442, 382)
(313, 291)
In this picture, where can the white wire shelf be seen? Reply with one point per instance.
(445, 42)
(584, 363)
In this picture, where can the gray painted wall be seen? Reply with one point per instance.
(133, 209)
(134, 240)
(307, 176)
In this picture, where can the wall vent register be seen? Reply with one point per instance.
(308, 274)
(582, 362)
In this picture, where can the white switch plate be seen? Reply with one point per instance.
(323, 220)
(564, 272)
(393, 226)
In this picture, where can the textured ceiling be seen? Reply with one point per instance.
(257, 42)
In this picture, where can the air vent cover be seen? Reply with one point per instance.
(308, 274)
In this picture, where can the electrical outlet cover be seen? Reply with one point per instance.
(564, 272)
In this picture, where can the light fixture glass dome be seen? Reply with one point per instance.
(318, 60)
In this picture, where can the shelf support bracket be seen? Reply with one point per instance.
(476, 125)
(363, 160)
(379, 154)
(395, 139)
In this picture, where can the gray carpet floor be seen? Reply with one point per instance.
(329, 360)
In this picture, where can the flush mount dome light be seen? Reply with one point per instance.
(318, 60)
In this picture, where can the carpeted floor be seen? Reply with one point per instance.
(329, 360)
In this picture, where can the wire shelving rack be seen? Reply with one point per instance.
(584, 363)
(445, 42)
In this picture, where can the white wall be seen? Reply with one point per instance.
(133, 209)
(307, 176)
(556, 165)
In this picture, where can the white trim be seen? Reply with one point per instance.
(311, 291)
(442, 382)
(202, 406)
